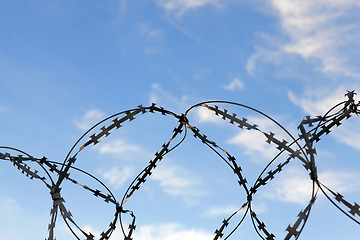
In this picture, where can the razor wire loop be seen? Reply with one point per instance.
(311, 129)
(281, 145)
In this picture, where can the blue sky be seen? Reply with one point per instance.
(64, 65)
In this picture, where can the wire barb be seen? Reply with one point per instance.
(301, 149)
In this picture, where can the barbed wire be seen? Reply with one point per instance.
(301, 148)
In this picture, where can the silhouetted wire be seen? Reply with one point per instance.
(303, 153)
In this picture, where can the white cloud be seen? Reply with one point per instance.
(90, 118)
(320, 29)
(223, 210)
(166, 99)
(264, 55)
(187, 33)
(340, 181)
(179, 7)
(164, 231)
(117, 234)
(118, 146)
(349, 135)
(294, 186)
(318, 101)
(178, 182)
(259, 207)
(88, 229)
(148, 32)
(170, 231)
(205, 115)
(254, 143)
(236, 84)
(117, 177)
(151, 36)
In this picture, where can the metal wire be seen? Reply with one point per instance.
(300, 149)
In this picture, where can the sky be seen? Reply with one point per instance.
(66, 65)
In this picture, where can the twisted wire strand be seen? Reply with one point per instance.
(305, 153)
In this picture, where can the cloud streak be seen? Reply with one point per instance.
(117, 177)
(148, 32)
(170, 231)
(165, 98)
(179, 7)
(253, 143)
(295, 187)
(119, 147)
(204, 115)
(223, 210)
(319, 102)
(90, 118)
(236, 84)
(178, 182)
(320, 29)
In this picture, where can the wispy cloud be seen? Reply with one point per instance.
(90, 229)
(204, 115)
(118, 147)
(170, 231)
(186, 33)
(348, 135)
(90, 118)
(178, 182)
(116, 177)
(167, 99)
(223, 210)
(179, 7)
(319, 102)
(265, 54)
(253, 143)
(164, 231)
(321, 30)
(235, 84)
(148, 32)
(322, 33)
(152, 37)
(294, 186)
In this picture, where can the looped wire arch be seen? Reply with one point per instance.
(304, 153)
